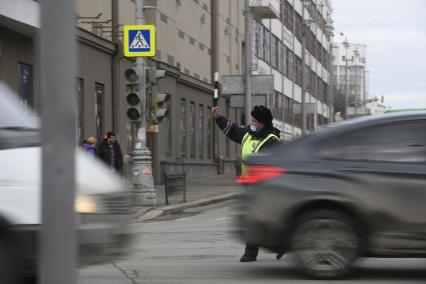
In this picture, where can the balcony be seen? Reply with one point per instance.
(265, 9)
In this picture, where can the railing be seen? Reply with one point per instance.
(174, 183)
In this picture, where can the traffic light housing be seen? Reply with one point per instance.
(159, 108)
(133, 98)
(134, 109)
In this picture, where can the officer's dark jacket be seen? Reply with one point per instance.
(236, 132)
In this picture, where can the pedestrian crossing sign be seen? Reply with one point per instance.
(139, 40)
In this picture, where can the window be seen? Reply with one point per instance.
(201, 46)
(259, 40)
(192, 40)
(181, 34)
(298, 27)
(99, 109)
(266, 45)
(192, 128)
(183, 127)
(168, 124)
(163, 18)
(25, 83)
(200, 130)
(402, 142)
(273, 50)
(287, 15)
(170, 60)
(80, 110)
(283, 67)
(289, 69)
(288, 109)
(298, 69)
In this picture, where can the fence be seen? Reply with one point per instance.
(174, 183)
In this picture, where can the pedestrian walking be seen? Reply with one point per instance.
(109, 151)
(89, 145)
(254, 138)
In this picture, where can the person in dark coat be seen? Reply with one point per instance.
(256, 137)
(109, 151)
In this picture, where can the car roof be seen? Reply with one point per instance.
(368, 121)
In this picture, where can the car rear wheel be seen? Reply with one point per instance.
(325, 244)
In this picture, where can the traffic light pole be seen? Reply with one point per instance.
(141, 167)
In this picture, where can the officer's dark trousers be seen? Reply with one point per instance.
(251, 250)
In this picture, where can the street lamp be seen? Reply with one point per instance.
(329, 28)
(305, 25)
(346, 45)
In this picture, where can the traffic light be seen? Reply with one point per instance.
(134, 109)
(134, 103)
(159, 108)
(160, 105)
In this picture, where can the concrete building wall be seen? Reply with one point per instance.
(17, 48)
(94, 68)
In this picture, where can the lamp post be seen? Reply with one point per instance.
(329, 28)
(346, 45)
(305, 26)
(141, 167)
(248, 57)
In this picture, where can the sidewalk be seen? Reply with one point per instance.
(199, 192)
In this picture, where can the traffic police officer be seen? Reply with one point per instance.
(254, 138)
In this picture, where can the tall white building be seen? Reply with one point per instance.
(278, 51)
(349, 72)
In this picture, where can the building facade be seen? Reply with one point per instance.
(195, 39)
(302, 27)
(350, 82)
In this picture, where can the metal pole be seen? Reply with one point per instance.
(140, 66)
(58, 57)
(304, 30)
(248, 54)
(141, 156)
(331, 77)
(347, 84)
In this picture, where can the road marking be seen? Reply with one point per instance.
(184, 219)
(221, 218)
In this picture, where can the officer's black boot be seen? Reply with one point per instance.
(250, 253)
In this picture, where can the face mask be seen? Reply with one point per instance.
(253, 128)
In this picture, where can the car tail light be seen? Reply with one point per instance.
(257, 174)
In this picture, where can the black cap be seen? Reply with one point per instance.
(262, 114)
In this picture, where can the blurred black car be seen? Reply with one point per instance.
(355, 189)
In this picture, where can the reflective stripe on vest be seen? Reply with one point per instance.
(251, 146)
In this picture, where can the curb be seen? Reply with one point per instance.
(157, 212)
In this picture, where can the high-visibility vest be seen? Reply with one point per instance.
(250, 146)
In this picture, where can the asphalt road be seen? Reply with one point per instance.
(197, 247)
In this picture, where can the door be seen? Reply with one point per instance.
(386, 167)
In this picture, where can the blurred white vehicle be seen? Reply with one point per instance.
(102, 202)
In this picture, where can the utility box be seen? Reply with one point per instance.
(265, 9)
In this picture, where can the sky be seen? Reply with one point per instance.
(395, 34)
